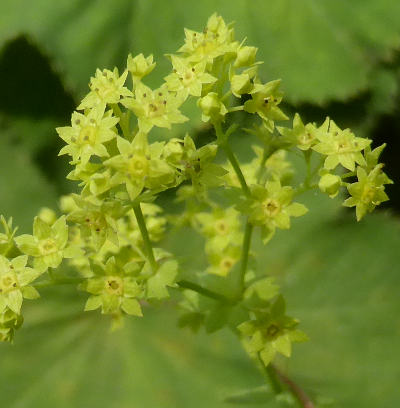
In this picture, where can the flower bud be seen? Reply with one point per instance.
(140, 66)
(246, 56)
(330, 184)
(47, 215)
(211, 106)
(240, 84)
(173, 151)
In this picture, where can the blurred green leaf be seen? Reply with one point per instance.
(321, 50)
(340, 278)
(23, 187)
(65, 358)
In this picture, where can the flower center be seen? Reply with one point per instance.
(368, 194)
(138, 166)
(114, 285)
(271, 207)
(8, 282)
(305, 138)
(272, 330)
(47, 246)
(226, 264)
(221, 227)
(88, 135)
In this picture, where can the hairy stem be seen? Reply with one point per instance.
(145, 235)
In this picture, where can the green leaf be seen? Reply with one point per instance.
(326, 49)
(23, 188)
(148, 363)
(340, 280)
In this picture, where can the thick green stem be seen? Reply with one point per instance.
(145, 235)
(203, 291)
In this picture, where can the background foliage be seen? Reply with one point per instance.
(336, 58)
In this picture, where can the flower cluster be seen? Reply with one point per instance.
(107, 232)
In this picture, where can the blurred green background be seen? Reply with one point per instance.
(341, 278)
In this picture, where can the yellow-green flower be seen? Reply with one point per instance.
(106, 87)
(157, 107)
(271, 207)
(48, 245)
(271, 333)
(140, 66)
(223, 261)
(340, 146)
(265, 100)
(212, 107)
(368, 191)
(246, 56)
(97, 221)
(222, 227)
(87, 134)
(6, 237)
(217, 39)
(9, 322)
(15, 278)
(113, 290)
(303, 136)
(188, 77)
(139, 166)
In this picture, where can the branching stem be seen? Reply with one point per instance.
(184, 284)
